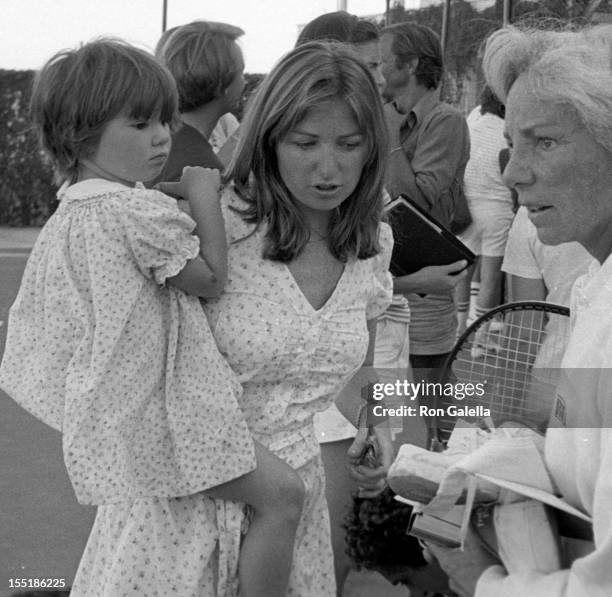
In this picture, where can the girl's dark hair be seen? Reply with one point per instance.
(79, 91)
(307, 77)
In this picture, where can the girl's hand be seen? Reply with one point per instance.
(196, 183)
(206, 275)
(371, 476)
(201, 183)
(464, 567)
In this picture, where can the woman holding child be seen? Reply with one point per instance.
(308, 261)
(106, 344)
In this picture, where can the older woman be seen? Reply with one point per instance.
(557, 88)
(308, 260)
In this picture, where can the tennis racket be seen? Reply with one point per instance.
(511, 356)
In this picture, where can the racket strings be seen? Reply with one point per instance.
(514, 357)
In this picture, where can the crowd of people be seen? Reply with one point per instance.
(205, 311)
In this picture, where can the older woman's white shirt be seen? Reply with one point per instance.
(579, 453)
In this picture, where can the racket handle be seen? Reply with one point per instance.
(436, 445)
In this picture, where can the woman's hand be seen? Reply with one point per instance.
(464, 567)
(433, 278)
(371, 478)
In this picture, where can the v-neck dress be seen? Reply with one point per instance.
(291, 360)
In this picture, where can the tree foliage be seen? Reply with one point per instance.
(468, 28)
(555, 13)
(27, 193)
(251, 82)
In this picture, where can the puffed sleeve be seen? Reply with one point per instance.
(382, 288)
(158, 233)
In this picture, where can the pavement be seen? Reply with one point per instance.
(17, 240)
(43, 529)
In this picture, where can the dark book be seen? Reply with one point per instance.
(420, 240)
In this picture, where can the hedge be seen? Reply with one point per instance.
(27, 191)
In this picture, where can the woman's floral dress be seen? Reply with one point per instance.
(291, 361)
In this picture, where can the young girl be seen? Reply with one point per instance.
(108, 343)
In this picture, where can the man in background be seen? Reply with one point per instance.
(430, 147)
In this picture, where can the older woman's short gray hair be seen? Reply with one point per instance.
(572, 68)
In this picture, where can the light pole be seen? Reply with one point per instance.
(507, 12)
(164, 15)
(445, 20)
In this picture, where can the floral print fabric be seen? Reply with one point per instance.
(292, 360)
(123, 365)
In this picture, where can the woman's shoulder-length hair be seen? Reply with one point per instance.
(308, 76)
